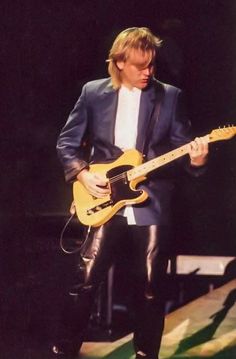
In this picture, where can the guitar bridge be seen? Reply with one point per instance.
(99, 207)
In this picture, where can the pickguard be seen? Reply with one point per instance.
(119, 184)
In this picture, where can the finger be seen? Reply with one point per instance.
(199, 146)
(197, 142)
(102, 190)
(100, 180)
(194, 146)
(202, 144)
(98, 193)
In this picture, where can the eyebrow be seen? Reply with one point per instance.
(144, 64)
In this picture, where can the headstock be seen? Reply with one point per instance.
(224, 133)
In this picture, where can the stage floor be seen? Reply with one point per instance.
(204, 328)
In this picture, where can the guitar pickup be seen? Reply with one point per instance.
(99, 207)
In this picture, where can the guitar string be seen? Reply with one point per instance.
(118, 177)
(122, 175)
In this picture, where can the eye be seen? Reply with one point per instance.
(144, 67)
(141, 67)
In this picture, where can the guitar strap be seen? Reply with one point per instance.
(154, 118)
(166, 94)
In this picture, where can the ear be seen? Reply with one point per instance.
(120, 65)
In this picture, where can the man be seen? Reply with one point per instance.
(129, 110)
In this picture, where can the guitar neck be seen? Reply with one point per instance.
(157, 162)
(145, 168)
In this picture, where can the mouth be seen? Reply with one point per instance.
(144, 81)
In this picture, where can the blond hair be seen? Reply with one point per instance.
(140, 38)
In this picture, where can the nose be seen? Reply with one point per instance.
(147, 71)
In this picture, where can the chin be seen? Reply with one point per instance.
(143, 85)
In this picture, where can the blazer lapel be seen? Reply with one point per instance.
(108, 103)
(150, 100)
(147, 104)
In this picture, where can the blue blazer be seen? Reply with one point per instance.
(162, 125)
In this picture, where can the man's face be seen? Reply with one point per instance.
(137, 70)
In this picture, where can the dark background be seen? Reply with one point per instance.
(49, 49)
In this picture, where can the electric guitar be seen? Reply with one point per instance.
(123, 176)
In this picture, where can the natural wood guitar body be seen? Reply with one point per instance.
(96, 211)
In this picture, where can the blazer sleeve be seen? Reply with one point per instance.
(71, 144)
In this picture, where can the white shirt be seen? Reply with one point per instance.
(126, 128)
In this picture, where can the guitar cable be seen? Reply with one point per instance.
(62, 237)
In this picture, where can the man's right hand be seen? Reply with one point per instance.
(95, 183)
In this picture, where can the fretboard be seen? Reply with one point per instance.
(157, 162)
(143, 169)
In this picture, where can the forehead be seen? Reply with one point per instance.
(139, 57)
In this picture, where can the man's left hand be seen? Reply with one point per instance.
(198, 151)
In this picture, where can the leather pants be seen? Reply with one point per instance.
(104, 247)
